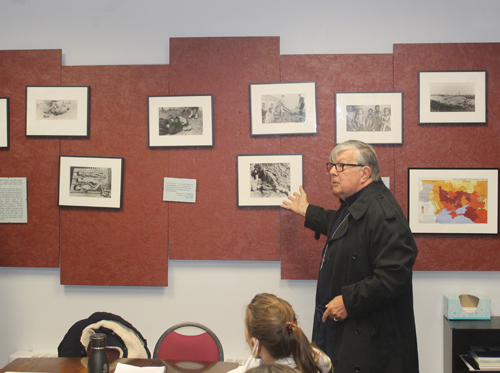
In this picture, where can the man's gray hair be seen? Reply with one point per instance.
(365, 155)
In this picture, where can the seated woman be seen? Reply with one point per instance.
(274, 337)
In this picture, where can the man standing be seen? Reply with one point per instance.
(364, 316)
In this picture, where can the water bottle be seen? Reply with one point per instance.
(98, 358)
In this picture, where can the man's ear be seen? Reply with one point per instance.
(366, 173)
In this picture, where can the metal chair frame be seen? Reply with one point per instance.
(194, 325)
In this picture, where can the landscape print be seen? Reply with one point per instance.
(453, 97)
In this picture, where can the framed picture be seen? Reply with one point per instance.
(181, 120)
(283, 108)
(90, 181)
(451, 97)
(371, 117)
(458, 201)
(4, 122)
(268, 180)
(57, 111)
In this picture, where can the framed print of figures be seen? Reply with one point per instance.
(457, 201)
(4, 122)
(283, 108)
(452, 97)
(181, 120)
(57, 111)
(371, 117)
(268, 180)
(90, 181)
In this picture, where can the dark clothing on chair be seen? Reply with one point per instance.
(71, 345)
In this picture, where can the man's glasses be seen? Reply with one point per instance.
(340, 166)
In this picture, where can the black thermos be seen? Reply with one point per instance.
(98, 358)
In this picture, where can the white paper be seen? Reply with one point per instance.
(125, 368)
(179, 190)
(13, 200)
(387, 181)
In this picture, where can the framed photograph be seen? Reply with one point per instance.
(268, 180)
(457, 201)
(57, 111)
(4, 122)
(90, 181)
(283, 108)
(452, 97)
(181, 120)
(371, 117)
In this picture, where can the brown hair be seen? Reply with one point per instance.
(272, 321)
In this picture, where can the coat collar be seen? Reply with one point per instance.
(371, 192)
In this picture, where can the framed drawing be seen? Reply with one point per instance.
(268, 180)
(452, 97)
(90, 181)
(283, 108)
(371, 117)
(4, 122)
(181, 120)
(57, 111)
(457, 201)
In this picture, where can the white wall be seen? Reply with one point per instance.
(36, 311)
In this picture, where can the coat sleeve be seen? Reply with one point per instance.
(318, 219)
(391, 253)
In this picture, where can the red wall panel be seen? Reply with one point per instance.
(300, 252)
(35, 244)
(131, 246)
(215, 227)
(128, 246)
(448, 146)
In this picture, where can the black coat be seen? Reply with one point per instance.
(71, 345)
(370, 260)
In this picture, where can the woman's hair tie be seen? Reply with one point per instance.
(290, 325)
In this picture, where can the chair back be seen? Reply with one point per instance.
(189, 342)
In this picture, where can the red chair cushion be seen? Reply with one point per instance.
(199, 347)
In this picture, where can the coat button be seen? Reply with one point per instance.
(357, 369)
(381, 196)
(354, 256)
(357, 331)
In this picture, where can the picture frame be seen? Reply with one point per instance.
(90, 181)
(453, 200)
(371, 117)
(283, 108)
(57, 111)
(268, 179)
(183, 120)
(452, 97)
(4, 122)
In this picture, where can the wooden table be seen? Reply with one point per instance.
(79, 365)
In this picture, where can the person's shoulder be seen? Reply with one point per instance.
(386, 201)
(324, 362)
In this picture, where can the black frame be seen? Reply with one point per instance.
(478, 117)
(178, 139)
(246, 188)
(417, 210)
(58, 127)
(394, 99)
(96, 195)
(258, 127)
